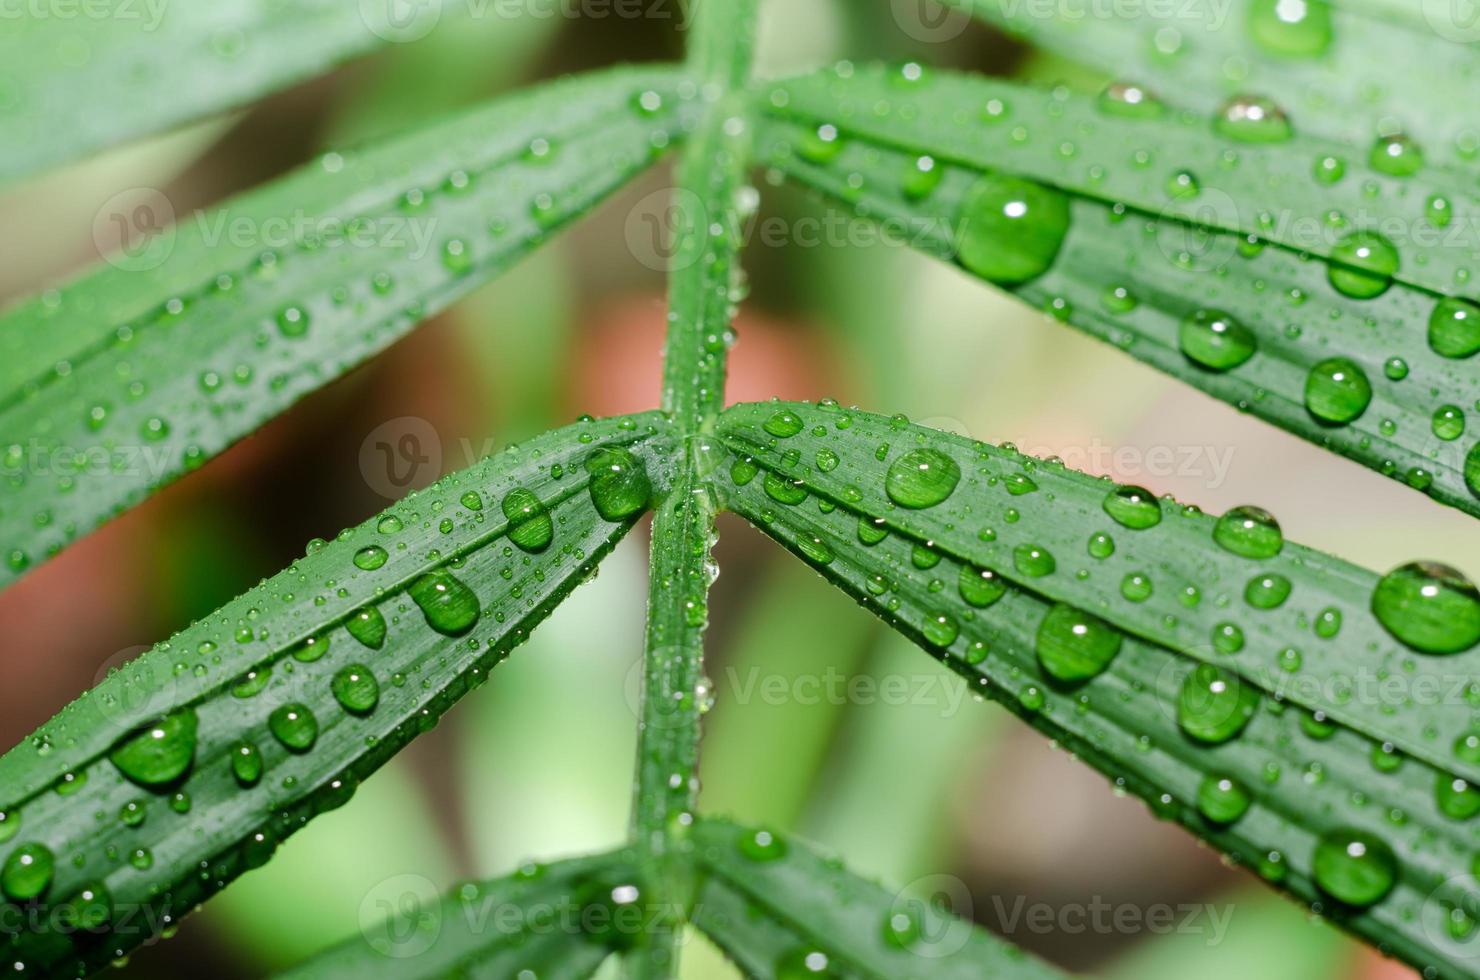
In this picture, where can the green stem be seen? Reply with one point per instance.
(702, 288)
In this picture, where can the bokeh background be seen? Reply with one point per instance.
(537, 764)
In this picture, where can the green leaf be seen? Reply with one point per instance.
(137, 373)
(780, 909)
(1231, 289)
(212, 747)
(1330, 67)
(560, 920)
(1155, 653)
(100, 68)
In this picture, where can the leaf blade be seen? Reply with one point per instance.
(770, 911)
(1139, 276)
(432, 593)
(916, 568)
(233, 334)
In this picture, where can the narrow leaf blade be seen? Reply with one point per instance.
(1153, 274)
(136, 374)
(778, 908)
(270, 710)
(1022, 582)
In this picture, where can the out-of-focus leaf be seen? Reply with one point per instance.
(780, 910)
(1330, 65)
(143, 370)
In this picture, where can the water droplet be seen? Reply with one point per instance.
(1228, 638)
(762, 846)
(1222, 799)
(940, 630)
(1249, 531)
(1354, 867)
(821, 146)
(784, 424)
(1011, 229)
(1032, 560)
(356, 689)
(450, 607)
(1074, 646)
(246, 763)
(1130, 100)
(1362, 265)
(1253, 119)
(980, 587)
(1267, 591)
(1101, 545)
(311, 650)
(132, 813)
(1429, 606)
(620, 487)
(370, 558)
(1215, 340)
(389, 524)
(1449, 422)
(1291, 28)
(295, 726)
(292, 321)
(1396, 156)
(27, 872)
(784, 491)
(1329, 170)
(921, 478)
(1337, 391)
(827, 460)
(921, 178)
(805, 963)
(1454, 328)
(457, 257)
(368, 627)
(1133, 507)
(89, 910)
(161, 752)
(1136, 587)
(1456, 798)
(530, 524)
(1214, 705)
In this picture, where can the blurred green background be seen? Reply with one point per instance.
(537, 764)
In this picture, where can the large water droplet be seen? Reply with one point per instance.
(784, 424)
(761, 846)
(161, 752)
(620, 487)
(368, 627)
(371, 558)
(1337, 391)
(980, 587)
(295, 726)
(1354, 867)
(1249, 531)
(1396, 156)
(1429, 606)
(1291, 28)
(921, 478)
(1011, 229)
(356, 689)
(530, 524)
(1253, 119)
(1362, 265)
(1455, 797)
(1074, 646)
(1222, 799)
(1133, 507)
(1267, 591)
(27, 872)
(450, 607)
(246, 763)
(1454, 328)
(1214, 705)
(1215, 340)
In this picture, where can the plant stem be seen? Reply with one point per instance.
(702, 290)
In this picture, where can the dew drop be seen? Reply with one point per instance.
(1214, 705)
(1267, 591)
(1429, 607)
(161, 752)
(1251, 532)
(1133, 507)
(295, 726)
(1454, 328)
(356, 689)
(530, 526)
(921, 478)
(1291, 28)
(450, 607)
(1074, 646)
(246, 763)
(1215, 340)
(1337, 391)
(368, 627)
(980, 587)
(1253, 119)
(1362, 265)
(1011, 229)
(27, 872)
(1396, 156)
(1354, 867)
(1222, 799)
(620, 487)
